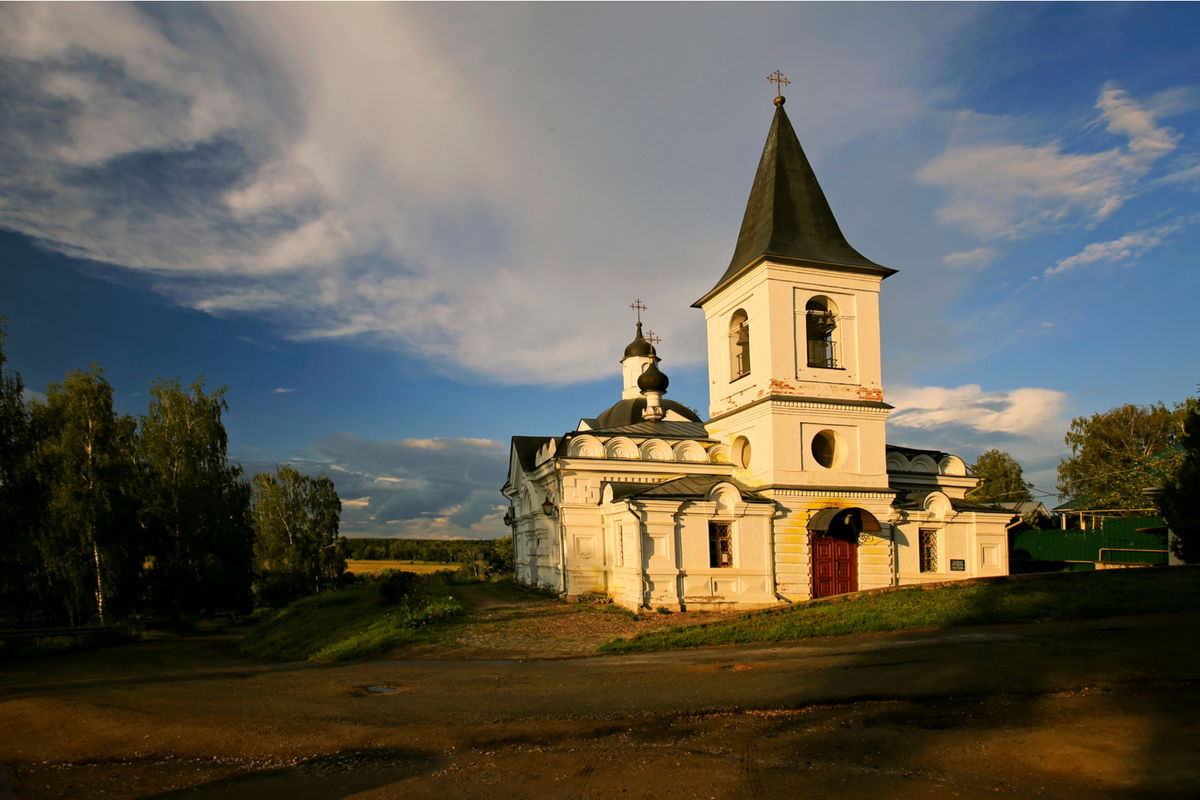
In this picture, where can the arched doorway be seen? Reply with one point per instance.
(833, 548)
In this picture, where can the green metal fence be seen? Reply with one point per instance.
(1122, 540)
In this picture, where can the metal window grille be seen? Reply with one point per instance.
(741, 350)
(928, 550)
(720, 544)
(822, 349)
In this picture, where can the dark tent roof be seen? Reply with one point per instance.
(787, 215)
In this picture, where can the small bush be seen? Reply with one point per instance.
(395, 586)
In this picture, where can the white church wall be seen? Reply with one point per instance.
(876, 553)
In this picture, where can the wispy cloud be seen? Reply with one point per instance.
(1125, 248)
(282, 390)
(1002, 190)
(977, 258)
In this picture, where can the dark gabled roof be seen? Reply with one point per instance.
(787, 215)
(526, 448)
(909, 452)
(967, 505)
(689, 487)
(911, 500)
(629, 412)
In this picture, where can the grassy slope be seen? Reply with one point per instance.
(350, 623)
(1025, 599)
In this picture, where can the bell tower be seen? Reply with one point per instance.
(795, 378)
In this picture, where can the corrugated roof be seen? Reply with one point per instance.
(787, 215)
(689, 487)
(658, 430)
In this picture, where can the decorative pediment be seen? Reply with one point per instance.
(656, 450)
(585, 447)
(726, 497)
(937, 505)
(923, 463)
(719, 454)
(621, 447)
(952, 465)
(690, 451)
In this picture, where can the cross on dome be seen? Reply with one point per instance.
(639, 307)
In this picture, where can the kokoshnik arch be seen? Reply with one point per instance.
(789, 491)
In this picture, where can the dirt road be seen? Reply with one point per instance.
(1094, 709)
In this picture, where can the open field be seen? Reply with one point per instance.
(1085, 709)
(361, 566)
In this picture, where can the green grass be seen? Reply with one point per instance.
(1078, 595)
(351, 623)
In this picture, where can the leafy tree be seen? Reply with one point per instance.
(20, 566)
(82, 462)
(297, 548)
(195, 504)
(1179, 498)
(1117, 454)
(1001, 479)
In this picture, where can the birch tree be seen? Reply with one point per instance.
(297, 548)
(195, 504)
(81, 458)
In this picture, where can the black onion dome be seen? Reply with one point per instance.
(639, 347)
(653, 379)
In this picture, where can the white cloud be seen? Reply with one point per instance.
(282, 390)
(1026, 411)
(1126, 247)
(1001, 190)
(977, 258)
(358, 172)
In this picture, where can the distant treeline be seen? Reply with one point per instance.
(443, 551)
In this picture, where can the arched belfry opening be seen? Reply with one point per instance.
(833, 548)
(821, 325)
(739, 345)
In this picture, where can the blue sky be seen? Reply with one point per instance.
(401, 234)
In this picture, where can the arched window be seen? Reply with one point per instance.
(821, 324)
(739, 345)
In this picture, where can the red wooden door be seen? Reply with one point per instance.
(834, 565)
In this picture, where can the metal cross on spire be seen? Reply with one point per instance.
(777, 78)
(652, 339)
(639, 307)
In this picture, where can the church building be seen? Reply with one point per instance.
(789, 491)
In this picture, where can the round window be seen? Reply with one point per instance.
(827, 449)
(741, 452)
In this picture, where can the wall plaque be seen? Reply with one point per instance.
(958, 565)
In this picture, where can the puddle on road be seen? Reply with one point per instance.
(383, 690)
